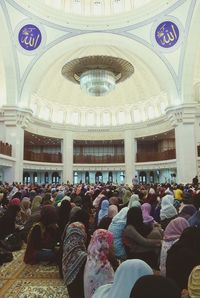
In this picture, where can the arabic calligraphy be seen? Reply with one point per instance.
(167, 34)
(30, 37)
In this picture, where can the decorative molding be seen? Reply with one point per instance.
(185, 113)
(14, 116)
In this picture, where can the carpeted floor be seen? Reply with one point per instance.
(18, 280)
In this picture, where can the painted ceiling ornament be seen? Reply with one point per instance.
(30, 36)
(167, 34)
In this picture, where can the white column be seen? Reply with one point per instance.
(16, 120)
(15, 137)
(67, 157)
(186, 152)
(183, 119)
(130, 146)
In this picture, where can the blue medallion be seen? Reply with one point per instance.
(167, 34)
(30, 37)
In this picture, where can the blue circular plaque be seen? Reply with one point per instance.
(30, 37)
(167, 34)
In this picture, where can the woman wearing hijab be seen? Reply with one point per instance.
(112, 211)
(147, 218)
(183, 256)
(74, 258)
(168, 211)
(134, 201)
(103, 212)
(8, 221)
(135, 234)
(98, 270)
(125, 277)
(116, 228)
(172, 233)
(194, 283)
(187, 211)
(25, 210)
(36, 204)
(156, 287)
(42, 238)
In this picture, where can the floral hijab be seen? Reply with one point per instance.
(74, 251)
(98, 270)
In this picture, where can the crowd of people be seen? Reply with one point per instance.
(109, 240)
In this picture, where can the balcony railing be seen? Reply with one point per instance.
(98, 159)
(156, 156)
(43, 157)
(5, 148)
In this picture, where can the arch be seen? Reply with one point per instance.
(98, 177)
(26, 178)
(55, 177)
(143, 177)
(190, 64)
(46, 177)
(8, 54)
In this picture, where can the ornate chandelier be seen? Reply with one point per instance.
(97, 75)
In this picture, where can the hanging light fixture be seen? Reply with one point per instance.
(97, 75)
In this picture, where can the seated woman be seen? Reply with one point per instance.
(168, 211)
(98, 270)
(156, 287)
(125, 277)
(194, 282)
(183, 256)
(172, 233)
(42, 238)
(8, 221)
(135, 239)
(116, 228)
(74, 258)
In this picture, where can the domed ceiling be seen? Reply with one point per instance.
(96, 7)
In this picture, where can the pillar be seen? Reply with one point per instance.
(67, 156)
(130, 146)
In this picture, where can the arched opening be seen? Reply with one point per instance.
(143, 177)
(87, 178)
(46, 177)
(98, 177)
(55, 177)
(35, 177)
(26, 178)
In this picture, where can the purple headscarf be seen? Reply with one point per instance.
(175, 228)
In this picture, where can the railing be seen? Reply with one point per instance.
(98, 159)
(43, 157)
(5, 148)
(156, 156)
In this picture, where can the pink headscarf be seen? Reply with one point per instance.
(175, 228)
(146, 209)
(15, 202)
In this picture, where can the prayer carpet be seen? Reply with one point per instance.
(18, 280)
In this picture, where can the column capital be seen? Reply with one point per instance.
(15, 116)
(184, 113)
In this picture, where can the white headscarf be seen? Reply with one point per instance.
(125, 277)
(167, 208)
(134, 201)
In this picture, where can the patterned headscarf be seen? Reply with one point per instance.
(98, 270)
(74, 251)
